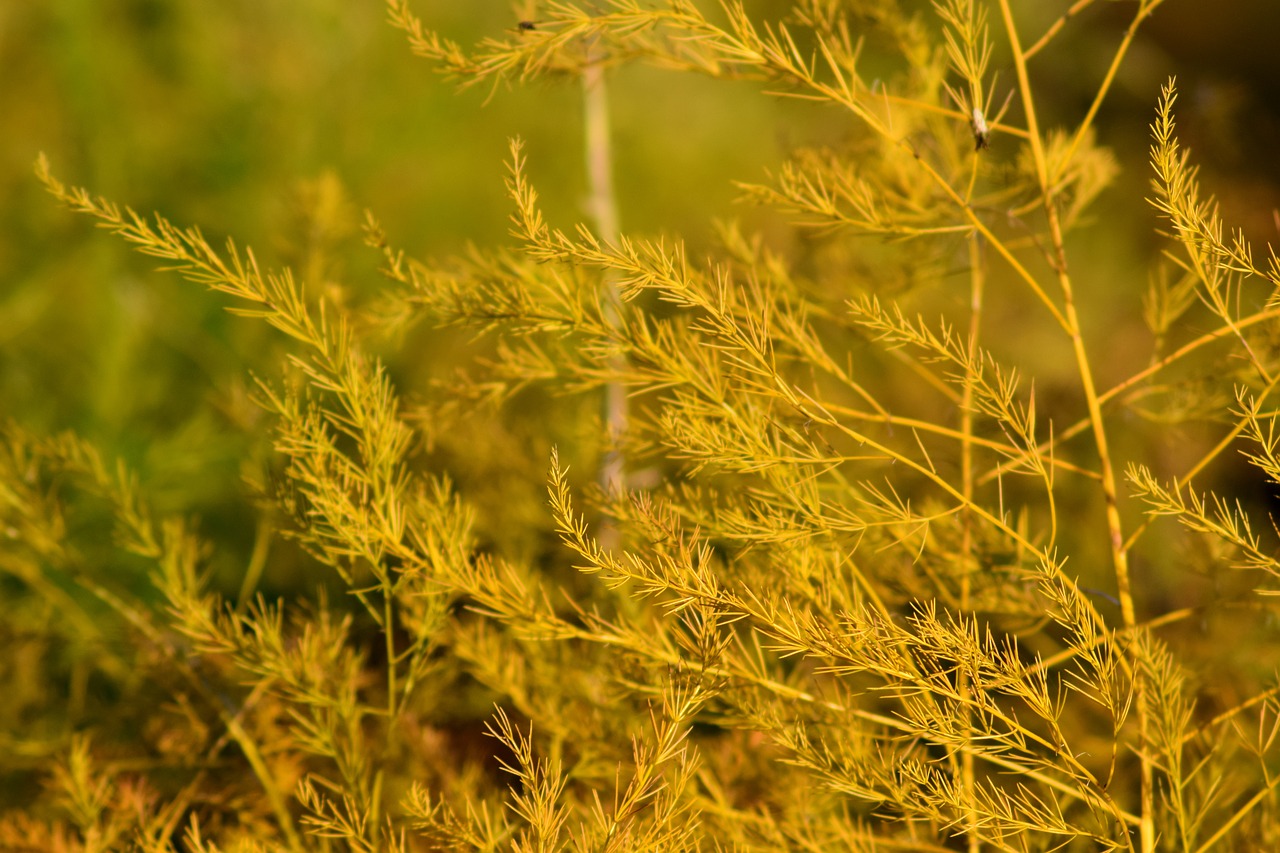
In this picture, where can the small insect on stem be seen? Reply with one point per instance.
(523, 27)
(981, 133)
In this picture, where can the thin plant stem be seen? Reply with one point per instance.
(257, 564)
(1120, 387)
(1213, 453)
(977, 284)
(604, 212)
(248, 746)
(1054, 28)
(1119, 556)
(1145, 8)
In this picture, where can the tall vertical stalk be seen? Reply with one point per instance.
(1119, 554)
(603, 210)
(977, 283)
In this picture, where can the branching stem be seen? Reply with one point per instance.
(1119, 556)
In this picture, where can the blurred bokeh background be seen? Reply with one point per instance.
(277, 124)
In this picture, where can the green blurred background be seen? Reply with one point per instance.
(277, 123)
(240, 117)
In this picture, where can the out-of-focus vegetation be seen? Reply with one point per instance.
(288, 119)
(158, 446)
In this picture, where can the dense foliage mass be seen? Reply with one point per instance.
(857, 530)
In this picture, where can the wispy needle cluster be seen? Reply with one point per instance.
(859, 579)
